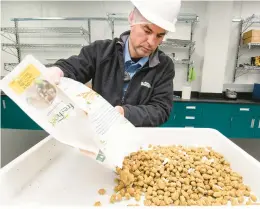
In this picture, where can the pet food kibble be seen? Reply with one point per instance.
(97, 203)
(240, 200)
(234, 201)
(131, 191)
(113, 198)
(127, 196)
(147, 203)
(253, 198)
(118, 197)
(178, 175)
(249, 202)
(137, 197)
(102, 191)
(122, 192)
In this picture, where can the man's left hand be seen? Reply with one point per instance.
(120, 110)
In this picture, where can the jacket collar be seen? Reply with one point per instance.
(153, 58)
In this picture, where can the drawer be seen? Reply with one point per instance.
(247, 110)
(191, 121)
(187, 108)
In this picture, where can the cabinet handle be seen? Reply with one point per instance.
(259, 124)
(190, 118)
(191, 107)
(252, 123)
(245, 109)
(4, 105)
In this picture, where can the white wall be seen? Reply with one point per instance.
(216, 45)
(100, 8)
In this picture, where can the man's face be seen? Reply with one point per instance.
(144, 39)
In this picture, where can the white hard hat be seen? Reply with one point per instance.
(162, 13)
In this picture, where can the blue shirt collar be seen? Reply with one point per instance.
(127, 56)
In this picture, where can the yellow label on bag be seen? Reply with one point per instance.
(24, 79)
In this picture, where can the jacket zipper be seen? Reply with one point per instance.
(124, 95)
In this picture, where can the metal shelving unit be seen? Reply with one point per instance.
(178, 43)
(68, 30)
(13, 34)
(252, 45)
(111, 18)
(247, 69)
(36, 46)
(10, 66)
(244, 24)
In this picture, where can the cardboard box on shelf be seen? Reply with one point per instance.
(252, 40)
(251, 33)
(251, 36)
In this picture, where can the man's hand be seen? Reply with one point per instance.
(120, 110)
(54, 74)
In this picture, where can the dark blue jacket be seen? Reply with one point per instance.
(148, 99)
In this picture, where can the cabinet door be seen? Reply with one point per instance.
(15, 118)
(257, 128)
(217, 116)
(174, 119)
(170, 121)
(243, 127)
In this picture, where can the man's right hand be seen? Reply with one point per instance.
(54, 74)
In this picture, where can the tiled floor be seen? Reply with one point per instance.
(251, 146)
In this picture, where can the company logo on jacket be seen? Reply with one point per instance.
(146, 84)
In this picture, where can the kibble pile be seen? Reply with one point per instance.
(177, 175)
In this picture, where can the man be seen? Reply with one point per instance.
(130, 72)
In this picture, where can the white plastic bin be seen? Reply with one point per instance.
(51, 173)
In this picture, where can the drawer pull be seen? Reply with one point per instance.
(190, 118)
(245, 109)
(191, 107)
(4, 105)
(252, 123)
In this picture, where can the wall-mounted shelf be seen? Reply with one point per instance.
(10, 66)
(183, 62)
(244, 24)
(13, 34)
(252, 19)
(71, 30)
(247, 69)
(252, 45)
(177, 43)
(35, 46)
(187, 17)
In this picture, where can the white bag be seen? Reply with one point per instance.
(72, 113)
